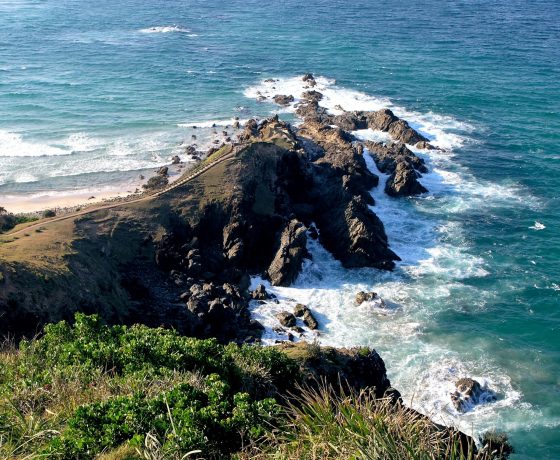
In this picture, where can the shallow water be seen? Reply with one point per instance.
(91, 94)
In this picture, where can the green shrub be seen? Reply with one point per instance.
(109, 386)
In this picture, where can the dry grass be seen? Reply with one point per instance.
(322, 424)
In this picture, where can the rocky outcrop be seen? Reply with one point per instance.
(312, 96)
(362, 297)
(468, 393)
(354, 368)
(403, 165)
(309, 79)
(301, 311)
(282, 99)
(247, 215)
(288, 260)
(260, 293)
(155, 182)
(404, 181)
(351, 121)
(400, 130)
(286, 319)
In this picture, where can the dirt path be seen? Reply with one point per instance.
(179, 182)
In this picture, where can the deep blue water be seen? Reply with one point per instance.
(88, 98)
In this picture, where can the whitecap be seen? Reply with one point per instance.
(210, 123)
(165, 30)
(537, 226)
(13, 145)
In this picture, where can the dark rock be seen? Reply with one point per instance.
(156, 182)
(286, 319)
(354, 368)
(312, 95)
(288, 260)
(309, 79)
(175, 160)
(300, 309)
(404, 181)
(163, 171)
(425, 145)
(260, 293)
(309, 320)
(351, 121)
(236, 124)
(362, 297)
(467, 394)
(282, 99)
(387, 156)
(381, 120)
(400, 130)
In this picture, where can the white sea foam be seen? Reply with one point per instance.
(537, 226)
(13, 145)
(436, 259)
(165, 30)
(210, 123)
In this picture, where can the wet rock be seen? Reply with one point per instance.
(400, 130)
(288, 260)
(175, 160)
(404, 181)
(351, 121)
(300, 309)
(312, 95)
(309, 320)
(283, 99)
(425, 145)
(163, 171)
(309, 79)
(362, 297)
(467, 394)
(387, 156)
(260, 293)
(381, 120)
(286, 319)
(236, 124)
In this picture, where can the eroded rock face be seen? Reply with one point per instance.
(351, 121)
(404, 182)
(288, 260)
(400, 130)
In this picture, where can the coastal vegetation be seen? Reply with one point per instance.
(89, 390)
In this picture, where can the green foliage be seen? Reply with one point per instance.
(9, 221)
(89, 388)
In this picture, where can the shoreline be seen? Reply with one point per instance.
(71, 200)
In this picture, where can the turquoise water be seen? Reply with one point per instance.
(90, 95)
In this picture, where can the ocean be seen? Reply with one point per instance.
(93, 94)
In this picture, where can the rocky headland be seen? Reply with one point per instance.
(183, 258)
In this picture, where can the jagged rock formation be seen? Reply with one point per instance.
(183, 258)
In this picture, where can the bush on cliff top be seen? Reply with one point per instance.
(80, 390)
